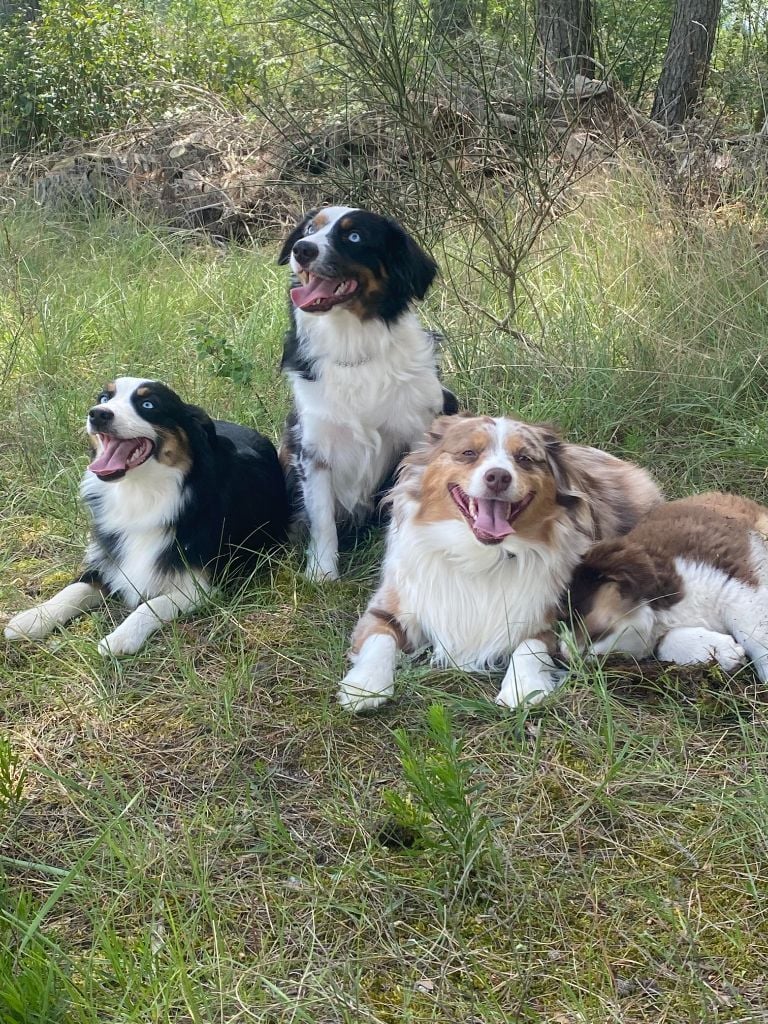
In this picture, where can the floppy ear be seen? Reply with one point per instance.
(422, 451)
(200, 425)
(292, 239)
(567, 494)
(627, 565)
(412, 269)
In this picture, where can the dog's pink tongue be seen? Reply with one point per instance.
(304, 295)
(492, 518)
(114, 458)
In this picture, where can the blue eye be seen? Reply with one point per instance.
(309, 230)
(103, 399)
(147, 405)
(353, 237)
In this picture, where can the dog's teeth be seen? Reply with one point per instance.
(473, 508)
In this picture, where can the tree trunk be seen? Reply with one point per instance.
(565, 31)
(686, 64)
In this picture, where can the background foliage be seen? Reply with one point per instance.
(84, 66)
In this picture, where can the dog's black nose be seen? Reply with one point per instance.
(304, 252)
(99, 416)
(498, 480)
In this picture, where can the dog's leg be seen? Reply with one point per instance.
(38, 622)
(747, 620)
(694, 645)
(323, 550)
(131, 635)
(531, 673)
(376, 641)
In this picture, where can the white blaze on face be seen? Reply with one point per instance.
(127, 422)
(495, 456)
(319, 235)
(126, 440)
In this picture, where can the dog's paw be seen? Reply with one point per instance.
(363, 691)
(317, 573)
(33, 624)
(530, 678)
(512, 696)
(729, 655)
(698, 646)
(120, 642)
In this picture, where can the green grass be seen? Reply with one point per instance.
(198, 834)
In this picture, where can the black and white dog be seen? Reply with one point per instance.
(362, 369)
(175, 498)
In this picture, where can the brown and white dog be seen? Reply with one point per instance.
(489, 520)
(688, 583)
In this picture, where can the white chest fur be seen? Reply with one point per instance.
(472, 604)
(140, 512)
(375, 393)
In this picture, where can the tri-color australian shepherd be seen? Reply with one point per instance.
(362, 369)
(489, 520)
(689, 584)
(175, 498)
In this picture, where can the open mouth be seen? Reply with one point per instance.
(118, 455)
(490, 519)
(318, 294)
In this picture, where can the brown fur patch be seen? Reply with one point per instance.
(173, 448)
(370, 286)
(143, 390)
(346, 223)
(320, 220)
(381, 618)
(713, 529)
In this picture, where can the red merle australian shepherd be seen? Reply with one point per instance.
(362, 369)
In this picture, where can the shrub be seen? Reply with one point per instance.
(82, 67)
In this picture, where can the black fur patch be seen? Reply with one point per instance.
(235, 504)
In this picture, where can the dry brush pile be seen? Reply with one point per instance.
(243, 175)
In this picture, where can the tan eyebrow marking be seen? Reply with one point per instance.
(142, 391)
(320, 220)
(346, 222)
(111, 388)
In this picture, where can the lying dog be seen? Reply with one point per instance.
(175, 497)
(362, 369)
(489, 521)
(688, 583)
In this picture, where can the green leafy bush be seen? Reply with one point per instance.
(81, 68)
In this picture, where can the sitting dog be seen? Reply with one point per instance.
(688, 583)
(362, 369)
(174, 497)
(489, 520)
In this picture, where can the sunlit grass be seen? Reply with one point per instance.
(197, 833)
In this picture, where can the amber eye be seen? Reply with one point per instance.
(523, 460)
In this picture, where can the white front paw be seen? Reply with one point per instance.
(528, 681)
(119, 642)
(729, 655)
(321, 569)
(33, 624)
(362, 690)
